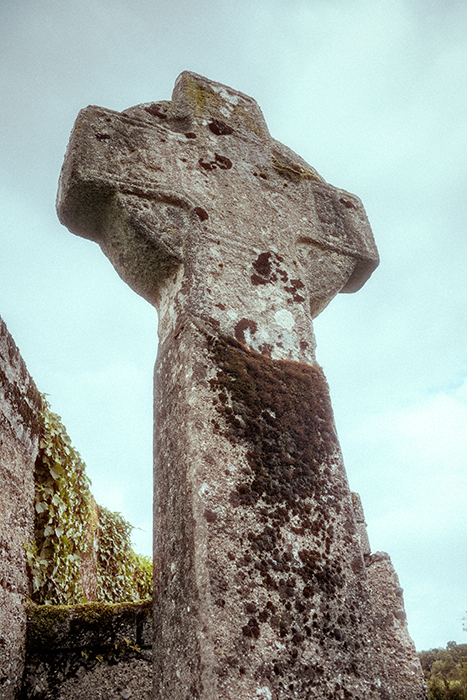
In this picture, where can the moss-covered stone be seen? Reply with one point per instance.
(20, 404)
(294, 172)
(68, 644)
(62, 626)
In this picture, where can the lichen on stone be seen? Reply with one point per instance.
(294, 172)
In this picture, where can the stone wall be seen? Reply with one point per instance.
(105, 651)
(89, 651)
(403, 666)
(54, 651)
(19, 442)
(403, 669)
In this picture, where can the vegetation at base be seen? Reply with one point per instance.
(68, 523)
(49, 625)
(445, 672)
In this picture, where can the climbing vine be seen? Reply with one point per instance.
(121, 574)
(62, 502)
(69, 527)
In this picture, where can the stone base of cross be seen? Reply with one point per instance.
(260, 585)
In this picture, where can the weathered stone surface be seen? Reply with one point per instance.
(402, 663)
(19, 438)
(202, 212)
(361, 524)
(95, 650)
(261, 589)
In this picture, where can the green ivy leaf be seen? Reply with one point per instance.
(66, 523)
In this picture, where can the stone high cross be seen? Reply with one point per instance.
(260, 584)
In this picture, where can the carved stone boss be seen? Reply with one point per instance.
(260, 586)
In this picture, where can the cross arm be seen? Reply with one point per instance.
(104, 197)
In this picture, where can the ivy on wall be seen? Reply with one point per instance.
(127, 576)
(62, 504)
(68, 523)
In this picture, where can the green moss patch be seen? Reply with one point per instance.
(99, 624)
(295, 171)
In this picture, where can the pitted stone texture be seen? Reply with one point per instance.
(19, 437)
(402, 663)
(124, 680)
(202, 212)
(89, 651)
(361, 524)
(261, 588)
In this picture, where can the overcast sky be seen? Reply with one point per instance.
(373, 94)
